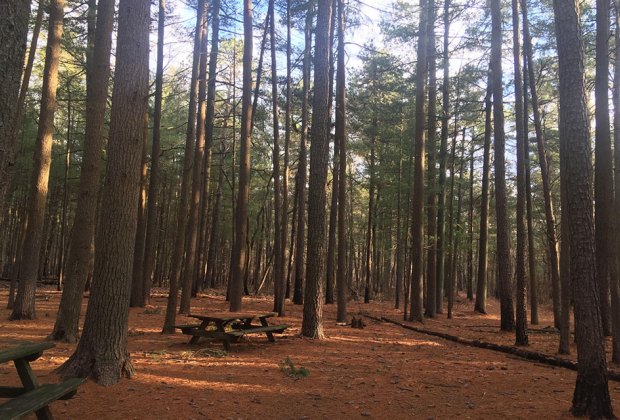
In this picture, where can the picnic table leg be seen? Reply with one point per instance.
(269, 334)
(29, 380)
(196, 338)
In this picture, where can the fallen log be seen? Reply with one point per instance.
(520, 352)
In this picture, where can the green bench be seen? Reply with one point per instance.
(32, 397)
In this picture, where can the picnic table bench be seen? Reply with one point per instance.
(229, 327)
(32, 397)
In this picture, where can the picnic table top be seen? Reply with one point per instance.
(27, 350)
(231, 316)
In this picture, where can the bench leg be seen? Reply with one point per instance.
(194, 339)
(269, 334)
(226, 344)
(29, 381)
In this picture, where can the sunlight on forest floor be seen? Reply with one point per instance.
(381, 371)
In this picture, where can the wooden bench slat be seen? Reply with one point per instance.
(36, 399)
(30, 351)
(256, 330)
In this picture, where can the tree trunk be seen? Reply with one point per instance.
(243, 195)
(521, 304)
(312, 324)
(179, 241)
(615, 278)
(341, 139)
(287, 143)
(431, 213)
(151, 222)
(82, 234)
(603, 168)
(591, 397)
(102, 351)
(14, 15)
(483, 241)
(416, 312)
(279, 285)
(503, 230)
(300, 187)
(552, 243)
(24, 307)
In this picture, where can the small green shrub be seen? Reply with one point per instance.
(291, 370)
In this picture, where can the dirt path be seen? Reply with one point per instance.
(382, 371)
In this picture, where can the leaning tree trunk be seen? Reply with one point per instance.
(102, 351)
(591, 397)
(82, 234)
(14, 15)
(552, 242)
(312, 324)
(243, 195)
(504, 271)
(24, 307)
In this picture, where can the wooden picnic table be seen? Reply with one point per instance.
(31, 396)
(229, 327)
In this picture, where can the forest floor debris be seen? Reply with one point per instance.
(382, 371)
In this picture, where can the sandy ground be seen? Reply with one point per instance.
(382, 371)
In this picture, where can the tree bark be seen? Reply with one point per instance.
(14, 15)
(521, 271)
(312, 324)
(151, 222)
(416, 312)
(179, 241)
(81, 245)
(615, 278)
(504, 272)
(243, 195)
(591, 397)
(24, 307)
(102, 351)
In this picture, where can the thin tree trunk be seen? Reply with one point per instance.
(179, 241)
(137, 282)
(151, 223)
(243, 196)
(501, 194)
(416, 312)
(24, 307)
(552, 242)
(483, 241)
(615, 278)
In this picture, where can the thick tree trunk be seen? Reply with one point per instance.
(151, 221)
(179, 241)
(14, 15)
(102, 351)
(312, 324)
(287, 143)
(24, 307)
(82, 234)
(243, 195)
(591, 397)
(416, 312)
(504, 272)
